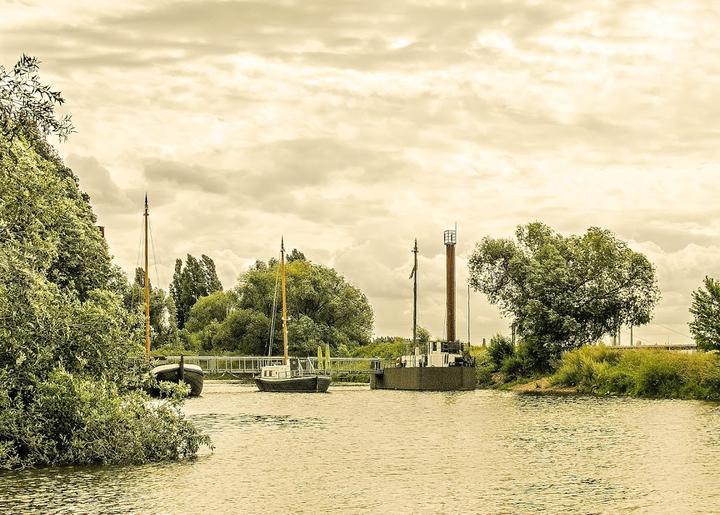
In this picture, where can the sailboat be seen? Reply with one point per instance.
(290, 376)
(193, 375)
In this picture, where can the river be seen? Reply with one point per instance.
(354, 450)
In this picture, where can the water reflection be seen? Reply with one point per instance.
(360, 451)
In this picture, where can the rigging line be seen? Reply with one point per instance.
(152, 240)
(673, 330)
(139, 252)
(274, 309)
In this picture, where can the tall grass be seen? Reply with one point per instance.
(640, 373)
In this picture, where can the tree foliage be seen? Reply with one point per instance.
(322, 309)
(705, 309)
(563, 292)
(28, 104)
(191, 281)
(68, 343)
(500, 348)
(163, 325)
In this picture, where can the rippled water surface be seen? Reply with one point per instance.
(356, 450)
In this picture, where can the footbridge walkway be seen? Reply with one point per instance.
(249, 365)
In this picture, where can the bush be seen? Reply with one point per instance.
(659, 378)
(513, 367)
(500, 347)
(384, 348)
(642, 373)
(71, 420)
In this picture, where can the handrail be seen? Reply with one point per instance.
(253, 364)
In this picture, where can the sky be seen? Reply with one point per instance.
(352, 128)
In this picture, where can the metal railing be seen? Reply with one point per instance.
(253, 364)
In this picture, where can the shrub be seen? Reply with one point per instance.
(659, 378)
(513, 367)
(500, 347)
(643, 373)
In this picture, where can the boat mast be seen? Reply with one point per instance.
(284, 306)
(415, 251)
(147, 286)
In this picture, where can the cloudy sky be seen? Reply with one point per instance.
(353, 127)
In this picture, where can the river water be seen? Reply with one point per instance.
(354, 450)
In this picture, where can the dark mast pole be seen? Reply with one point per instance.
(146, 278)
(415, 251)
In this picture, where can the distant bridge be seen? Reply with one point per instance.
(663, 346)
(249, 365)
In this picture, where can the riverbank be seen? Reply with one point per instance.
(605, 371)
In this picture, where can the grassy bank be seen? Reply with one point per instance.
(640, 373)
(601, 370)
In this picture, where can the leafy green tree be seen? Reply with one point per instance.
(295, 255)
(191, 281)
(322, 307)
(705, 309)
(563, 292)
(214, 307)
(501, 347)
(423, 335)
(244, 331)
(27, 103)
(69, 373)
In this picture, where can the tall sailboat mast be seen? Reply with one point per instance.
(147, 285)
(284, 306)
(415, 251)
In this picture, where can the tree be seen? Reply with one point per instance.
(214, 307)
(705, 309)
(322, 307)
(28, 104)
(196, 279)
(295, 255)
(423, 335)
(69, 347)
(501, 347)
(563, 292)
(244, 332)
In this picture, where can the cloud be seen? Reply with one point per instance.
(354, 127)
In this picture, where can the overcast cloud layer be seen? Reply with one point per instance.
(353, 127)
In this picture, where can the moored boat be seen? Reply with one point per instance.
(193, 375)
(290, 376)
(444, 366)
(281, 378)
